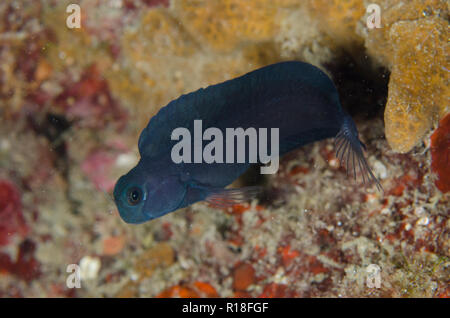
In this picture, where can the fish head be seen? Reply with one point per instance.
(145, 194)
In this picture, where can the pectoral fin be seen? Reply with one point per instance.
(222, 198)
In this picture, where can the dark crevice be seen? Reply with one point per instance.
(362, 86)
(53, 127)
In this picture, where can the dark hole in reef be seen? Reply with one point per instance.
(363, 89)
(362, 85)
(52, 126)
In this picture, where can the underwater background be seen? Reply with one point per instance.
(73, 102)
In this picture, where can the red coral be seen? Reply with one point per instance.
(315, 266)
(26, 266)
(136, 4)
(260, 252)
(288, 255)
(274, 290)
(405, 182)
(90, 101)
(440, 154)
(244, 276)
(178, 292)
(6, 264)
(195, 290)
(206, 289)
(154, 3)
(12, 220)
(298, 170)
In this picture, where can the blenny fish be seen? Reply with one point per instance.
(297, 98)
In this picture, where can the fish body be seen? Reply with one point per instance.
(296, 98)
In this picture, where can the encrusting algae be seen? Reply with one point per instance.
(413, 44)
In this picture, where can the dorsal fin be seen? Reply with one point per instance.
(181, 112)
(216, 102)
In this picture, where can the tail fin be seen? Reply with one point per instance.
(349, 149)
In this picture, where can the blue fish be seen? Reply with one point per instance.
(295, 97)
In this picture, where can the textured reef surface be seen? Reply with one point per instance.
(73, 102)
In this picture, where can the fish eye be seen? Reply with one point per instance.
(134, 195)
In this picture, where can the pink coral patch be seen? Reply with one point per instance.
(97, 167)
(12, 220)
(154, 3)
(440, 154)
